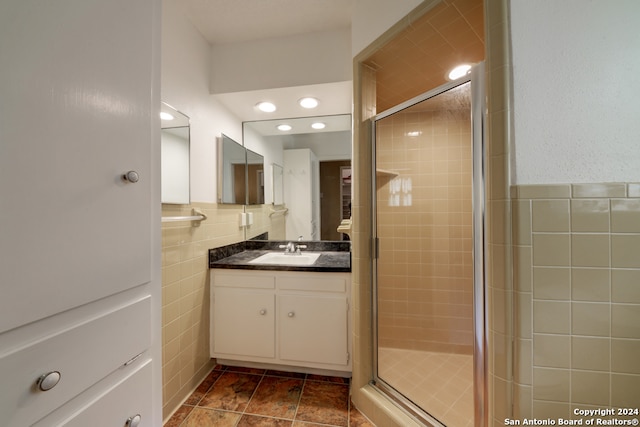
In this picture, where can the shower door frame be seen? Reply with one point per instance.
(480, 312)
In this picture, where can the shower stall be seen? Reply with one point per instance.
(428, 268)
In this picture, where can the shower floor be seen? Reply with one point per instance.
(440, 383)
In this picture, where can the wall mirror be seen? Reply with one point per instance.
(255, 178)
(174, 152)
(308, 163)
(232, 161)
(277, 173)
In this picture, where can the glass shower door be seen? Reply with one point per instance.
(424, 267)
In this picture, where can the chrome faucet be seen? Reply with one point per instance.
(292, 248)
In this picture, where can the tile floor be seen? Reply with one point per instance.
(440, 383)
(247, 397)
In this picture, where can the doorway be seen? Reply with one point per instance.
(429, 295)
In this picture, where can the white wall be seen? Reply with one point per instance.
(306, 59)
(186, 65)
(371, 18)
(576, 91)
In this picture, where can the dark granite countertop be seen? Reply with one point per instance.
(334, 257)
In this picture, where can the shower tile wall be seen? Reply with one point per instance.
(425, 271)
(577, 282)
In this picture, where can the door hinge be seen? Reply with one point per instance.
(348, 357)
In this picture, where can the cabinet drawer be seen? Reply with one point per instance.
(112, 407)
(82, 354)
(316, 283)
(243, 280)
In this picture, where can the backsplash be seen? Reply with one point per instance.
(577, 297)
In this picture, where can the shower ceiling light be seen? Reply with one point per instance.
(165, 116)
(284, 127)
(414, 133)
(267, 107)
(459, 71)
(308, 102)
(318, 125)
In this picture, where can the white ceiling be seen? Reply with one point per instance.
(233, 21)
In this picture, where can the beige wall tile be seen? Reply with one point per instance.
(521, 222)
(590, 215)
(551, 249)
(590, 387)
(599, 190)
(552, 351)
(625, 321)
(625, 216)
(590, 250)
(590, 318)
(552, 317)
(523, 323)
(624, 250)
(590, 353)
(523, 361)
(625, 356)
(550, 215)
(625, 285)
(551, 384)
(590, 284)
(554, 191)
(625, 390)
(553, 283)
(522, 270)
(552, 410)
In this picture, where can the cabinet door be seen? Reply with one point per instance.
(81, 110)
(313, 328)
(243, 323)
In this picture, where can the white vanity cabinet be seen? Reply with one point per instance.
(287, 318)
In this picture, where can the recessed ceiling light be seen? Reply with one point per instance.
(267, 107)
(459, 71)
(308, 102)
(414, 133)
(318, 125)
(165, 116)
(284, 128)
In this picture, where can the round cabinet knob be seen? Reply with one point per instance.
(131, 176)
(263, 312)
(291, 314)
(133, 421)
(48, 381)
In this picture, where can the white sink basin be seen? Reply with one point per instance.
(279, 258)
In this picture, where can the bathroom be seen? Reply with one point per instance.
(504, 385)
(561, 206)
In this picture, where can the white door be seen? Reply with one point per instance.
(78, 111)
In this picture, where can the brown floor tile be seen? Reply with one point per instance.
(305, 424)
(326, 378)
(324, 403)
(179, 416)
(203, 417)
(273, 373)
(231, 391)
(203, 388)
(276, 397)
(255, 421)
(356, 419)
